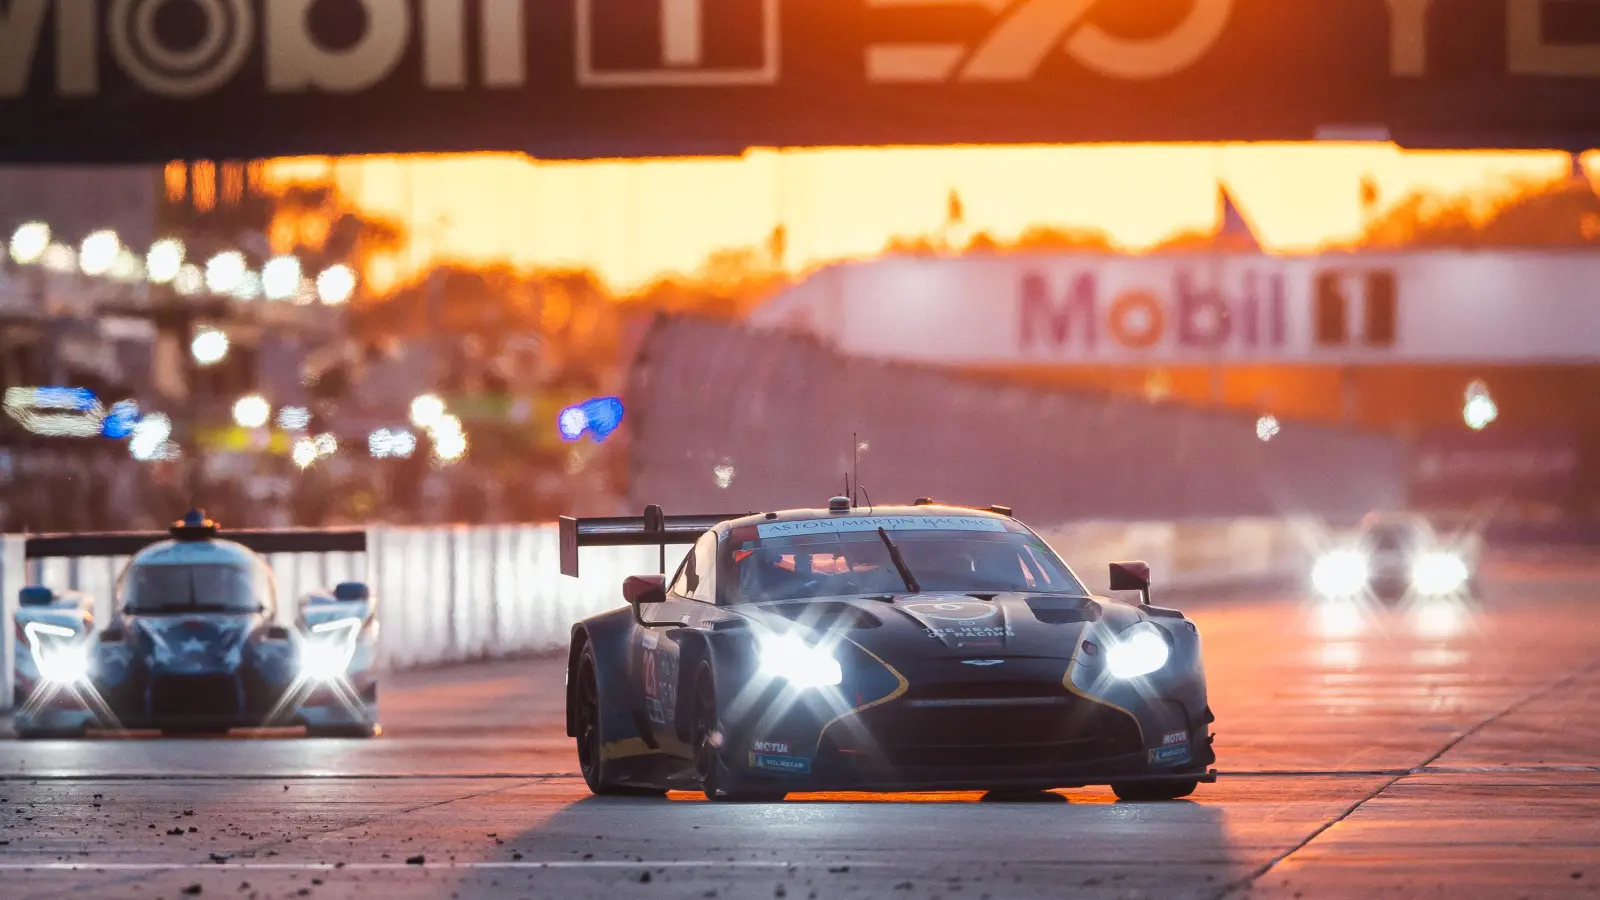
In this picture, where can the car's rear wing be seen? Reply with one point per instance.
(306, 540)
(654, 528)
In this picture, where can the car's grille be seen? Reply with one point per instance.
(984, 725)
(188, 696)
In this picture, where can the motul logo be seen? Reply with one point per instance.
(219, 36)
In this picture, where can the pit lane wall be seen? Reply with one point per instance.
(451, 595)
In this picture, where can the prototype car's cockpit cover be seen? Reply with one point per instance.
(847, 555)
(185, 578)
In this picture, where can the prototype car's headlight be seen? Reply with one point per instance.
(57, 653)
(789, 657)
(1439, 573)
(1340, 573)
(326, 654)
(1138, 651)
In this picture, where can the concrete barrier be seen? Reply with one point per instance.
(459, 594)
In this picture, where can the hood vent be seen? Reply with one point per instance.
(1064, 610)
(824, 616)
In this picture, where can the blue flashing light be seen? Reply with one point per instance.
(572, 422)
(74, 399)
(120, 422)
(600, 417)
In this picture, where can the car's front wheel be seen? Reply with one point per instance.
(591, 744)
(1150, 791)
(706, 738)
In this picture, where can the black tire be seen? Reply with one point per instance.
(591, 757)
(1154, 791)
(709, 767)
(350, 732)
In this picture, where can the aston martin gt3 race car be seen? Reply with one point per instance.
(192, 645)
(1393, 556)
(890, 649)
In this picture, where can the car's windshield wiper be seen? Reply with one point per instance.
(900, 563)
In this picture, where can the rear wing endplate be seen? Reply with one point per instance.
(654, 528)
(308, 540)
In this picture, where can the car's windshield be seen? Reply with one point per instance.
(1392, 536)
(807, 566)
(213, 587)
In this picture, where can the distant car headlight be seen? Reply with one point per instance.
(326, 654)
(789, 657)
(1138, 651)
(1439, 573)
(1340, 573)
(58, 654)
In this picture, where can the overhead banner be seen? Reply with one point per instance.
(1074, 309)
(144, 80)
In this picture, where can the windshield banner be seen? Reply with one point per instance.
(873, 523)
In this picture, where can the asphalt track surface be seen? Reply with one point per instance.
(1421, 756)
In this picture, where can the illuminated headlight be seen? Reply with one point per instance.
(1138, 651)
(1341, 573)
(57, 653)
(1439, 573)
(326, 654)
(788, 657)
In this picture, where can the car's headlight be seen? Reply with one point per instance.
(58, 654)
(1340, 573)
(1137, 652)
(326, 654)
(1439, 573)
(789, 657)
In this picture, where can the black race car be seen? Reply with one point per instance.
(888, 649)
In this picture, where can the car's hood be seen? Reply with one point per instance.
(952, 626)
(192, 644)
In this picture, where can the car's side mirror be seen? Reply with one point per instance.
(641, 589)
(1132, 576)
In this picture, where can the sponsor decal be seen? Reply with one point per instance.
(1175, 737)
(651, 673)
(845, 525)
(770, 747)
(971, 632)
(1165, 756)
(795, 765)
(952, 610)
(1064, 316)
(1030, 33)
(982, 662)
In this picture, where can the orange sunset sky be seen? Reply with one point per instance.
(634, 220)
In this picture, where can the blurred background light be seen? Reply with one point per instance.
(121, 421)
(304, 453)
(164, 260)
(1479, 411)
(599, 417)
(225, 272)
(189, 280)
(209, 347)
(59, 258)
(149, 439)
(336, 285)
(98, 252)
(1267, 428)
(29, 242)
(280, 278)
(395, 444)
(426, 411)
(251, 411)
(294, 418)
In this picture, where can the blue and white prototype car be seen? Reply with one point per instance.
(193, 645)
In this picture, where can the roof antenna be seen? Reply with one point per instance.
(855, 464)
